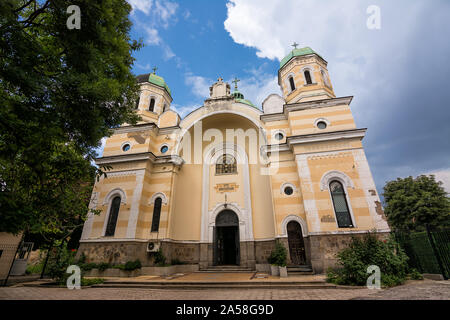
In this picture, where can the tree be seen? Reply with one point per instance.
(411, 204)
(61, 91)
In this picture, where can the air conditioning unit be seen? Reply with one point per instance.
(153, 246)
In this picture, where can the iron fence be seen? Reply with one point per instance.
(428, 251)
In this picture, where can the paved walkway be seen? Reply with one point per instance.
(426, 289)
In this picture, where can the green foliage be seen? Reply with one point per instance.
(61, 91)
(60, 258)
(413, 203)
(278, 257)
(91, 281)
(366, 251)
(103, 266)
(159, 258)
(415, 275)
(132, 265)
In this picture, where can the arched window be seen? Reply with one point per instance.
(340, 204)
(308, 77)
(291, 82)
(226, 165)
(113, 214)
(165, 107)
(325, 78)
(156, 215)
(152, 105)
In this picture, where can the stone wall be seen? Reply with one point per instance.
(323, 249)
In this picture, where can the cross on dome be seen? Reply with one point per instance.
(295, 44)
(154, 70)
(235, 81)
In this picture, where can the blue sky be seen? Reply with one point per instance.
(398, 74)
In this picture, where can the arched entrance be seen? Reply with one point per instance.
(296, 243)
(226, 239)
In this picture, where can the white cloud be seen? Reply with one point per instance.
(199, 85)
(444, 176)
(159, 15)
(141, 5)
(185, 109)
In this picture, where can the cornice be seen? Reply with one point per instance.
(143, 156)
(144, 127)
(324, 103)
(315, 137)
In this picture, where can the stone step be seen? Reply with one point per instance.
(221, 285)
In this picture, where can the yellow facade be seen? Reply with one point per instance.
(270, 168)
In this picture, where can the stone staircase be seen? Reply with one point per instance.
(226, 269)
(299, 270)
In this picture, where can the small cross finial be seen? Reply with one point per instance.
(154, 70)
(235, 81)
(295, 44)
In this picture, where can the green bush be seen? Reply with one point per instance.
(103, 266)
(160, 259)
(415, 275)
(366, 251)
(59, 259)
(278, 256)
(132, 265)
(91, 281)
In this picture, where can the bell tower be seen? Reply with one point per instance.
(154, 96)
(303, 76)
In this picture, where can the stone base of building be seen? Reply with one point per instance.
(324, 248)
(320, 251)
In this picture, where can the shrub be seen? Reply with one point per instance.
(415, 275)
(278, 256)
(366, 251)
(132, 265)
(60, 258)
(160, 259)
(103, 266)
(91, 281)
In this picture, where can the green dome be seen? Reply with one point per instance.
(296, 53)
(237, 95)
(247, 102)
(154, 79)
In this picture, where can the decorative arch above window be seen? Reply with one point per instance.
(335, 175)
(226, 164)
(113, 193)
(308, 75)
(156, 195)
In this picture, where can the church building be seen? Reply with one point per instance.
(225, 183)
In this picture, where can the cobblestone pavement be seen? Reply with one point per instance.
(413, 290)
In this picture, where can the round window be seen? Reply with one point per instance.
(164, 149)
(279, 136)
(288, 190)
(126, 147)
(321, 125)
